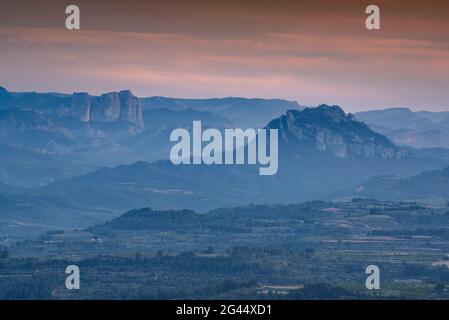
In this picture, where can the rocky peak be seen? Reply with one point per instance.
(320, 115)
(127, 94)
(332, 112)
(81, 106)
(130, 108)
(328, 129)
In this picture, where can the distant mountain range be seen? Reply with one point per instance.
(123, 105)
(407, 128)
(240, 112)
(79, 133)
(76, 160)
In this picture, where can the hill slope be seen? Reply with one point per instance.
(427, 185)
(322, 150)
(421, 129)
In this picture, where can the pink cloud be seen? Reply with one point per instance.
(354, 71)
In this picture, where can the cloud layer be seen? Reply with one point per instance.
(309, 56)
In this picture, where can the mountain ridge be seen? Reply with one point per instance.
(306, 171)
(418, 129)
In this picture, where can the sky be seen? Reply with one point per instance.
(312, 52)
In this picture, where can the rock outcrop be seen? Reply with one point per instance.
(329, 129)
(130, 108)
(81, 106)
(108, 107)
